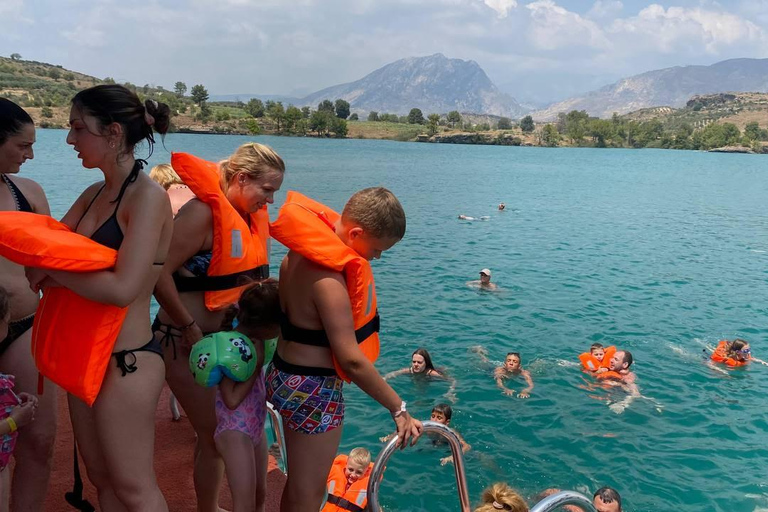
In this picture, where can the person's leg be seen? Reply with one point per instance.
(5, 484)
(310, 457)
(34, 447)
(236, 448)
(199, 405)
(124, 417)
(261, 457)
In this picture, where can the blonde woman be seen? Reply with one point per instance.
(500, 496)
(201, 278)
(178, 192)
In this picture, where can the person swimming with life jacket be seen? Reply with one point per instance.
(598, 359)
(734, 353)
(347, 484)
(512, 367)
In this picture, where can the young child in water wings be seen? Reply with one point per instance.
(329, 330)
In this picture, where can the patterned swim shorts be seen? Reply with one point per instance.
(310, 404)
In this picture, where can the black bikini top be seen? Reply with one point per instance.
(318, 337)
(22, 205)
(110, 233)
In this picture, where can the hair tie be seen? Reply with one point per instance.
(498, 506)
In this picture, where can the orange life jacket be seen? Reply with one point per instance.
(307, 227)
(240, 248)
(720, 355)
(609, 375)
(353, 499)
(592, 364)
(72, 337)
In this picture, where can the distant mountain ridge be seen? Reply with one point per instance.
(434, 84)
(670, 86)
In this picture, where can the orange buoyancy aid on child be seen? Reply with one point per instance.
(341, 498)
(592, 364)
(307, 227)
(609, 375)
(72, 337)
(240, 249)
(720, 355)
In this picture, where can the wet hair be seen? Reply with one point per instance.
(112, 103)
(5, 304)
(427, 359)
(516, 354)
(444, 409)
(360, 456)
(377, 211)
(12, 119)
(500, 496)
(595, 346)
(628, 358)
(165, 176)
(608, 495)
(737, 345)
(252, 159)
(258, 307)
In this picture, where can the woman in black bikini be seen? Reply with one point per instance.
(248, 178)
(35, 443)
(130, 213)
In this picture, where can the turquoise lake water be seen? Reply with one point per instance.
(659, 252)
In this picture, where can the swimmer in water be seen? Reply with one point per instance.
(421, 364)
(734, 353)
(502, 206)
(467, 217)
(620, 363)
(512, 367)
(484, 283)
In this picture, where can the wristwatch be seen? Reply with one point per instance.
(400, 411)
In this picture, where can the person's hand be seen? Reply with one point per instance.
(479, 350)
(25, 398)
(451, 397)
(601, 370)
(617, 407)
(190, 335)
(24, 413)
(446, 460)
(508, 392)
(384, 439)
(523, 394)
(35, 276)
(408, 428)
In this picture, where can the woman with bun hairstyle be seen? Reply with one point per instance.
(219, 244)
(34, 447)
(130, 213)
(500, 496)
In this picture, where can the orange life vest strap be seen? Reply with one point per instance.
(343, 503)
(215, 283)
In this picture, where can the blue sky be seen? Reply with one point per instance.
(534, 49)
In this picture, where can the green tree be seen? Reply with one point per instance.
(505, 123)
(292, 116)
(54, 73)
(434, 120)
(321, 121)
(550, 136)
(222, 115)
(254, 108)
(69, 77)
(306, 112)
(47, 112)
(205, 113)
(342, 109)
(326, 106)
(454, 118)
(575, 125)
(526, 124)
(253, 127)
(180, 89)
(373, 115)
(109, 80)
(15, 56)
(276, 112)
(339, 127)
(601, 131)
(354, 117)
(199, 94)
(415, 116)
(752, 131)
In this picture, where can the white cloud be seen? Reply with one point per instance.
(554, 27)
(667, 30)
(502, 7)
(605, 9)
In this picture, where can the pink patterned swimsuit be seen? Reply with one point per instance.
(248, 417)
(8, 400)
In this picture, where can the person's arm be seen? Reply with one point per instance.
(633, 392)
(451, 393)
(481, 352)
(332, 303)
(465, 447)
(121, 285)
(529, 380)
(499, 375)
(233, 393)
(191, 228)
(395, 373)
(21, 415)
(758, 361)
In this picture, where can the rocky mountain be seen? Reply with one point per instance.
(671, 87)
(434, 84)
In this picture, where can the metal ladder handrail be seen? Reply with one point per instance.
(563, 498)
(277, 423)
(377, 473)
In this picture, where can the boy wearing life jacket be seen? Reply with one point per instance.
(348, 482)
(597, 359)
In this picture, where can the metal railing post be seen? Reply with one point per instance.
(277, 424)
(377, 473)
(563, 498)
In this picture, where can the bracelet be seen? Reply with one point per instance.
(400, 411)
(190, 324)
(12, 423)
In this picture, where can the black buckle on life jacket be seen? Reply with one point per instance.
(345, 504)
(216, 283)
(373, 326)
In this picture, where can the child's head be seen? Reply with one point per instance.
(607, 499)
(739, 349)
(257, 311)
(372, 222)
(442, 413)
(357, 464)
(500, 496)
(5, 313)
(421, 362)
(165, 176)
(597, 350)
(513, 361)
